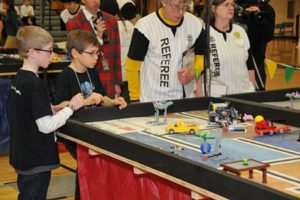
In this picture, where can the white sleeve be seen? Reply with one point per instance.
(48, 124)
(32, 10)
(22, 13)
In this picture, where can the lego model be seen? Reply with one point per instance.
(245, 161)
(222, 114)
(182, 127)
(177, 149)
(292, 96)
(160, 105)
(236, 128)
(246, 117)
(263, 127)
(206, 148)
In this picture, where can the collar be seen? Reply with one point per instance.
(76, 11)
(228, 31)
(166, 21)
(87, 14)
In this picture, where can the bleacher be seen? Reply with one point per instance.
(51, 21)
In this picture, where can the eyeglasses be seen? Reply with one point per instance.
(179, 7)
(45, 50)
(93, 53)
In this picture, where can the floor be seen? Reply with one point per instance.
(283, 51)
(62, 185)
(62, 180)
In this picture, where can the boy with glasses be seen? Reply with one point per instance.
(33, 148)
(105, 28)
(82, 76)
(155, 66)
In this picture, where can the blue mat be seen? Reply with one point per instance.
(232, 150)
(286, 140)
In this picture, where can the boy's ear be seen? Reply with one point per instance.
(74, 53)
(30, 52)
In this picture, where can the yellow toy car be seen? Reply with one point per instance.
(182, 127)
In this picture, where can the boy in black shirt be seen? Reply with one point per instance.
(33, 148)
(81, 76)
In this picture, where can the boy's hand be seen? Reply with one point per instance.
(117, 90)
(119, 101)
(77, 102)
(97, 98)
(93, 99)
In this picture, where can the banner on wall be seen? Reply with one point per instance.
(272, 67)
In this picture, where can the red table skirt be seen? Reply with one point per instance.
(105, 178)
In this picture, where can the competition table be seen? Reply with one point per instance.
(123, 168)
(275, 101)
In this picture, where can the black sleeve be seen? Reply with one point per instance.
(201, 44)
(138, 47)
(249, 62)
(128, 11)
(62, 25)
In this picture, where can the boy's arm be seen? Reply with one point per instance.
(58, 107)
(118, 101)
(93, 99)
(50, 123)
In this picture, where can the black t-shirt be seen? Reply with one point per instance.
(68, 85)
(30, 148)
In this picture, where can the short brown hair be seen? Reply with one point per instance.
(32, 37)
(80, 40)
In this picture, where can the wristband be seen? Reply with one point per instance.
(197, 73)
(111, 102)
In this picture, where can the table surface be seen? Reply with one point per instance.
(282, 151)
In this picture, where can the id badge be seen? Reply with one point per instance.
(105, 65)
(104, 62)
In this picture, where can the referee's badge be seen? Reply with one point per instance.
(237, 35)
(190, 40)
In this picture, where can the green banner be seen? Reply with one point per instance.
(289, 71)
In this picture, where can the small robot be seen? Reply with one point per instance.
(206, 147)
(160, 105)
(292, 96)
(263, 126)
(222, 114)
